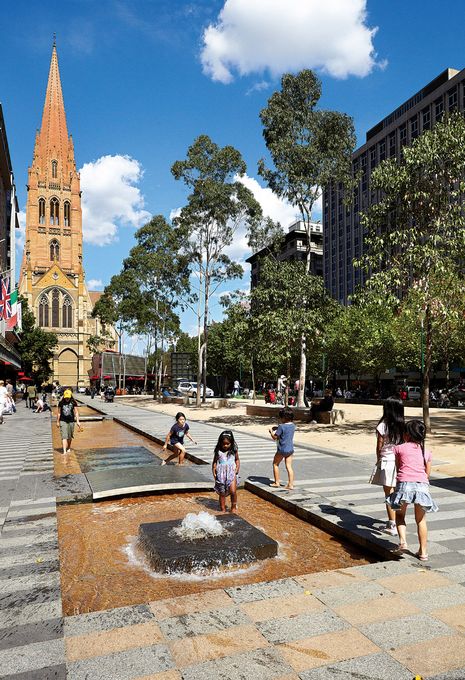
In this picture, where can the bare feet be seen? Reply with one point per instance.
(234, 509)
(163, 462)
(276, 486)
(289, 488)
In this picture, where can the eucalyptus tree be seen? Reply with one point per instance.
(288, 303)
(416, 233)
(309, 149)
(218, 205)
(144, 297)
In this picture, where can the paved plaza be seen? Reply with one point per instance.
(391, 619)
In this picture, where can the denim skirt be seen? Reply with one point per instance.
(412, 492)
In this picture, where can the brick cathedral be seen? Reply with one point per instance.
(52, 274)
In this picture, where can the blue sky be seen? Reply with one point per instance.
(143, 78)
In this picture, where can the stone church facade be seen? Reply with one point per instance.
(52, 274)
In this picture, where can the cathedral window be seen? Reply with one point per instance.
(44, 320)
(54, 250)
(54, 169)
(55, 308)
(41, 210)
(67, 214)
(54, 211)
(67, 315)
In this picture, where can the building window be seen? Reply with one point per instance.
(414, 127)
(403, 135)
(44, 320)
(54, 211)
(382, 150)
(392, 144)
(453, 99)
(54, 169)
(67, 214)
(67, 316)
(54, 250)
(438, 109)
(372, 157)
(426, 116)
(55, 308)
(41, 210)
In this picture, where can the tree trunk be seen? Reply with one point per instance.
(303, 372)
(427, 371)
(199, 373)
(253, 379)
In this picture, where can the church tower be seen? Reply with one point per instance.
(52, 275)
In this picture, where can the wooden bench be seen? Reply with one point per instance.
(175, 400)
(330, 417)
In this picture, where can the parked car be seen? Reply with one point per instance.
(413, 393)
(191, 389)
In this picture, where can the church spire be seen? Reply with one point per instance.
(53, 135)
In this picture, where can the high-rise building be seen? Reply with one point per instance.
(293, 247)
(52, 274)
(343, 233)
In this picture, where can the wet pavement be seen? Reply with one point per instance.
(392, 619)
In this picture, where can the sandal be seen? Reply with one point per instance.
(422, 558)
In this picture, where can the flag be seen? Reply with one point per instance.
(5, 298)
(13, 319)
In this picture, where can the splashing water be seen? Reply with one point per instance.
(197, 526)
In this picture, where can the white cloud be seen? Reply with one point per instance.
(95, 284)
(289, 35)
(111, 198)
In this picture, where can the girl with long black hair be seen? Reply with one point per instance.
(389, 433)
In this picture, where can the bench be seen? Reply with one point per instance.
(175, 400)
(330, 417)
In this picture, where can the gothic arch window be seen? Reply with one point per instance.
(67, 315)
(67, 214)
(54, 250)
(44, 319)
(54, 169)
(54, 211)
(41, 210)
(55, 308)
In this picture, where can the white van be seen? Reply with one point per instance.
(413, 393)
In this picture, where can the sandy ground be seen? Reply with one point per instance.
(355, 435)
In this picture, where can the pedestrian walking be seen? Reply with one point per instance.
(225, 468)
(413, 464)
(31, 396)
(175, 437)
(237, 387)
(3, 400)
(67, 416)
(283, 434)
(389, 433)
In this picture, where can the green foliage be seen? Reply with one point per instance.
(216, 207)
(288, 303)
(309, 147)
(360, 340)
(35, 347)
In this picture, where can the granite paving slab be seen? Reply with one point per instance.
(123, 665)
(294, 628)
(372, 667)
(265, 590)
(405, 631)
(202, 623)
(121, 482)
(260, 664)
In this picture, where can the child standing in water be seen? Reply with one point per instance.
(413, 470)
(389, 433)
(225, 469)
(284, 436)
(175, 437)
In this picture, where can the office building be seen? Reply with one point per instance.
(343, 233)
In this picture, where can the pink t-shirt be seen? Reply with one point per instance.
(410, 463)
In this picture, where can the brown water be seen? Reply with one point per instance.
(102, 566)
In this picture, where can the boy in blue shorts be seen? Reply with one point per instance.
(284, 436)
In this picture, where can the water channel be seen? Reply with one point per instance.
(102, 565)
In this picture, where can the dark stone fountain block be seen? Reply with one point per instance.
(168, 553)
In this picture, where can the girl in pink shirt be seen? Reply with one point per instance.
(413, 465)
